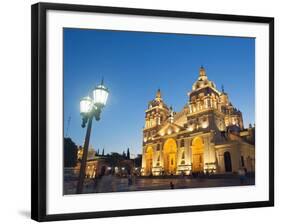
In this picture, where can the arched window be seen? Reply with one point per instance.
(183, 155)
(158, 161)
(182, 143)
(242, 161)
(158, 147)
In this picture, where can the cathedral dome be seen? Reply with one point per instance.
(203, 80)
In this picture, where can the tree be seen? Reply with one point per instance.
(114, 159)
(70, 153)
(102, 152)
(137, 160)
(124, 155)
(128, 153)
(98, 152)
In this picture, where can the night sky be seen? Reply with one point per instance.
(135, 64)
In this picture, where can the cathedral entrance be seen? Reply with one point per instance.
(197, 155)
(227, 162)
(148, 160)
(170, 158)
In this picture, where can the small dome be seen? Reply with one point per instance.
(234, 129)
(199, 84)
(202, 80)
(158, 101)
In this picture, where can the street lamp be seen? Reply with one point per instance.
(100, 94)
(90, 107)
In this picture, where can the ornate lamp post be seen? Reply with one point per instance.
(90, 107)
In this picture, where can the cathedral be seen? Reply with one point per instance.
(207, 136)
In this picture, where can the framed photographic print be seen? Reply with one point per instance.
(139, 111)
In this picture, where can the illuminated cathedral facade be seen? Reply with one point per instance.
(207, 136)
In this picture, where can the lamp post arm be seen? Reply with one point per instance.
(83, 163)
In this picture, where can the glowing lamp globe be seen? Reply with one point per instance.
(85, 105)
(100, 95)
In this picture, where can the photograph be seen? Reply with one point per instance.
(146, 111)
(140, 111)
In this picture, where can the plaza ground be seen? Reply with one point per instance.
(111, 183)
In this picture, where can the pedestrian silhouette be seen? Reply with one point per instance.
(172, 185)
(130, 181)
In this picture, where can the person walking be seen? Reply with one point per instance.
(242, 177)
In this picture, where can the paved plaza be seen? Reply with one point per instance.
(111, 183)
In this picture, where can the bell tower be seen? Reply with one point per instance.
(156, 113)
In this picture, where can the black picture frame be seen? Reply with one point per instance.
(39, 122)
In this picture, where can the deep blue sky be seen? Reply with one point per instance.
(135, 64)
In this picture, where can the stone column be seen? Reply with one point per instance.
(188, 151)
(178, 154)
(143, 161)
(154, 156)
(209, 153)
